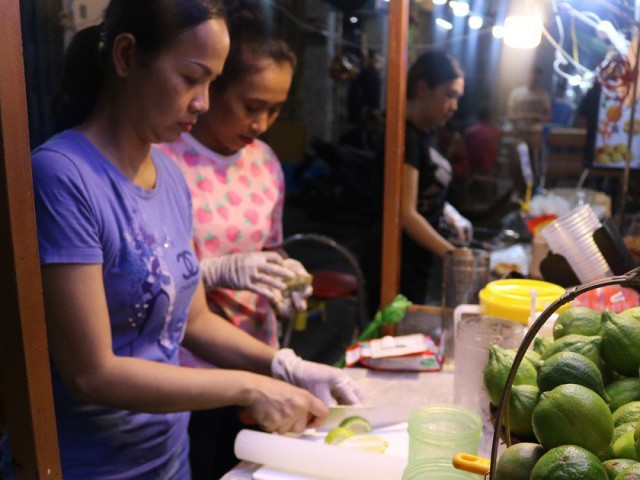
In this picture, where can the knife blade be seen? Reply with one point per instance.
(379, 416)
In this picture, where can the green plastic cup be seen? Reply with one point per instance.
(441, 431)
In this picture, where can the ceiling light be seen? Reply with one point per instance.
(523, 31)
(443, 24)
(498, 31)
(475, 22)
(460, 9)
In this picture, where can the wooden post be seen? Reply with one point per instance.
(394, 151)
(24, 357)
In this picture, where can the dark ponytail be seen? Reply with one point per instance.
(153, 23)
(82, 79)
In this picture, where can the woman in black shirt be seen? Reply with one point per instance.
(434, 85)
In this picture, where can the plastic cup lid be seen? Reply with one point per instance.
(512, 298)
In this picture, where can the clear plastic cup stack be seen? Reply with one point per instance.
(571, 236)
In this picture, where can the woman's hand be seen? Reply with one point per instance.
(259, 272)
(462, 226)
(331, 385)
(296, 300)
(279, 407)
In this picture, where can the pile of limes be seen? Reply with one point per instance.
(577, 397)
(354, 432)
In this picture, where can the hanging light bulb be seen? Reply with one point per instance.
(475, 22)
(523, 31)
(442, 23)
(460, 8)
(575, 80)
(439, 2)
(498, 31)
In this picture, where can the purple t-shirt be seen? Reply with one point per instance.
(88, 212)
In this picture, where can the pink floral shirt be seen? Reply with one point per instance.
(237, 207)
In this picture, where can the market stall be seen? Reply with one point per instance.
(459, 355)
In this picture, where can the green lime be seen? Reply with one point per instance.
(617, 433)
(570, 367)
(577, 320)
(623, 391)
(540, 344)
(617, 465)
(524, 399)
(621, 342)
(632, 472)
(608, 374)
(533, 357)
(338, 435)
(497, 370)
(632, 312)
(569, 462)
(625, 447)
(629, 412)
(587, 346)
(518, 460)
(356, 424)
(636, 437)
(622, 429)
(573, 415)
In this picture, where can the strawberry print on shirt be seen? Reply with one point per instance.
(237, 207)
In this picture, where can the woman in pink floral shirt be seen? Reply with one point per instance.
(237, 188)
(237, 184)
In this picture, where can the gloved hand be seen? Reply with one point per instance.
(259, 272)
(331, 385)
(297, 299)
(282, 408)
(462, 226)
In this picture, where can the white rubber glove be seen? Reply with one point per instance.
(259, 272)
(297, 301)
(462, 226)
(331, 385)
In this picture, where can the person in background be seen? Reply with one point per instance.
(121, 284)
(483, 142)
(365, 90)
(435, 83)
(529, 105)
(451, 143)
(237, 188)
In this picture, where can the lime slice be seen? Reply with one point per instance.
(338, 435)
(368, 443)
(357, 424)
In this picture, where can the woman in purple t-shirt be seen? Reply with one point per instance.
(121, 282)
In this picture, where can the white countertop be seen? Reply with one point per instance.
(405, 390)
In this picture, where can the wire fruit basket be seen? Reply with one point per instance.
(630, 279)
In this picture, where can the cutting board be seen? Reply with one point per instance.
(396, 435)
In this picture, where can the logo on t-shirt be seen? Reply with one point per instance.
(189, 264)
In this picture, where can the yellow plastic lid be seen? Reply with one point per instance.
(511, 298)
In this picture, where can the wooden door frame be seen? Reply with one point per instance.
(24, 357)
(394, 151)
